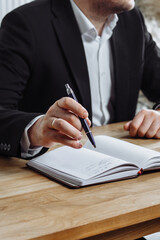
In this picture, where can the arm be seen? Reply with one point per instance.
(17, 59)
(16, 63)
(60, 124)
(147, 122)
(26, 151)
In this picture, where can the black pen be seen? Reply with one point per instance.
(83, 121)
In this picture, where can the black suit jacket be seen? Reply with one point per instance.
(41, 50)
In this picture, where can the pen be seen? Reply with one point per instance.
(83, 121)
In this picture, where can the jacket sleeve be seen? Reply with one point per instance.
(151, 73)
(16, 63)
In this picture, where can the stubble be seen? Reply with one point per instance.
(106, 7)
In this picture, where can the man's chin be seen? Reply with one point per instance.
(124, 8)
(131, 5)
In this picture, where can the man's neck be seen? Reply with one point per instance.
(97, 21)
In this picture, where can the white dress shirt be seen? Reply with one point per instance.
(99, 62)
(100, 69)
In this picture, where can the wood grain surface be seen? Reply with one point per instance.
(35, 207)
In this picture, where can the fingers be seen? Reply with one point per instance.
(127, 126)
(137, 126)
(145, 124)
(65, 128)
(60, 124)
(42, 135)
(152, 131)
(157, 135)
(73, 106)
(69, 110)
(88, 122)
(57, 137)
(69, 117)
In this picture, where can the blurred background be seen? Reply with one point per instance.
(7, 5)
(151, 12)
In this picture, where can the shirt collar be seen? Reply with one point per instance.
(88, 29)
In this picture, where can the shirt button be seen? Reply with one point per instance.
(103, 74)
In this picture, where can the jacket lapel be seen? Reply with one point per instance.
(120, 51)
(69, 37)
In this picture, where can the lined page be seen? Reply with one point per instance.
(82, 163)
(123, 150)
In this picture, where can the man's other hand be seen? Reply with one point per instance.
(145, 124)
(60, 124)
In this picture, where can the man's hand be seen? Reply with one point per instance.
(60, 124)
(145, 124)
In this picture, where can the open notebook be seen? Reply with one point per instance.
(111, 160)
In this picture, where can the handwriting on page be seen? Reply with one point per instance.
(100, 167)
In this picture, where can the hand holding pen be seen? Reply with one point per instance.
(60, 124)
(83, 121)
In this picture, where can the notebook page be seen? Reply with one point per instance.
(123, 150)
(82, 163)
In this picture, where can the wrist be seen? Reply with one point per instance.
(33, 134)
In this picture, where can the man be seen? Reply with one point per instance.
(105, 58)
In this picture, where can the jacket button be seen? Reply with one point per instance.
(9, 147)
(1, 146)
(5, 146)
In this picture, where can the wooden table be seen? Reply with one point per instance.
(34, 207)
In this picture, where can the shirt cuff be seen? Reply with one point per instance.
(26, 151)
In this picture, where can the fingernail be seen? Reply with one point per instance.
(85, 115)
(80, 137)
(87, 119)
(79, 144)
